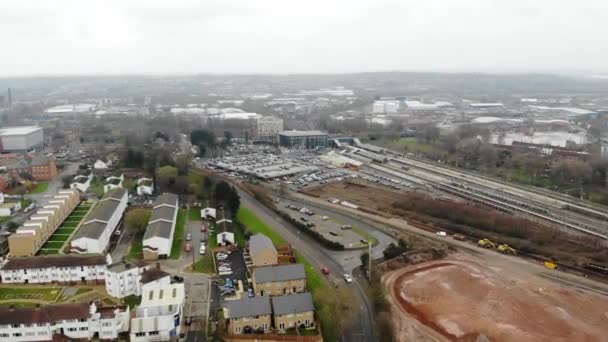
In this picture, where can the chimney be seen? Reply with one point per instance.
(158, 266)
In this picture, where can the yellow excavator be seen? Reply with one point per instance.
(506, 249)
(485, 243)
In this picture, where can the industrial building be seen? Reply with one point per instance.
(21, 139)
(30, 237)
(305, 140)
(161, 227)
(94, 235)
(386, 106)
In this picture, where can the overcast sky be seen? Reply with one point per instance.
(284, 36)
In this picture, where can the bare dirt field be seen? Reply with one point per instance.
(357, 192)
(457, 299)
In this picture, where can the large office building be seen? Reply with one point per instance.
(161, 227)
(55, 268)
(267, 128)
(21, 139)
(94, 234)
(29, 237)
(304, 140)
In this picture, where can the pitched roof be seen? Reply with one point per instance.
(248, 307)
(166, 198)
(163, 213)
(259, 243)
(116, 193)
(43, 314)
(158, 228)
(54, 261)
(269, 274)
(39, 160)
(294, 303)
(124, 265)
(91, 230)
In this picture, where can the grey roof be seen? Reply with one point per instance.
(294, 303)
(158, 228)
(116, 193)
(166, 198)
(60, 260)
(259, 243)
(164, 213)
(301, 133)
(269, 274)
(248, 307)
(103, 210)
(91, 230)
(39, 160)
(123, 265)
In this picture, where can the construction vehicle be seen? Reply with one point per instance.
(485, 243)
(550, 265)
(506, 249)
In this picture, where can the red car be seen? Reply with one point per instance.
(188, 247)
(203, 228)
(325, 270)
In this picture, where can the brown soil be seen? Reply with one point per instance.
(462, 300)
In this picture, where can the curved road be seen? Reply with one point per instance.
(362, 328)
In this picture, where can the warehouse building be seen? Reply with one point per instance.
(94, 235)
(27, 239)
(304, 140)
(21, 139)
(161, 227)
(55, 268)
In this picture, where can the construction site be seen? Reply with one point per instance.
(461, 298)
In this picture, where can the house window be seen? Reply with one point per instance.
(4, 335)
(84, 328)
(153, 333)
(41, 324)
(71, 329)
(17, 334)
(140, 334)
(15, 325)
(82, 320)
(107, 324)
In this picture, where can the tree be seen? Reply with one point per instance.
(166, 176)
(199, 136)
(181, 185)
(137, 219)
(67, 180)
(27, 176)
(227, 139)
(336, 306)
(364, 260)
(183, 164)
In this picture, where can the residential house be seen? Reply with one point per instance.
(123, 278)
(102, 165)
(262, 251)
(62, 268)
(279, 280)
(96, 230)
(82, 182)
(160, 314)
(208, 212)
(292, 311)
(113, 182)
(8, 207)
(158, 237)
(249, 315)
(33, 233)
(80, 321)
(145, 187)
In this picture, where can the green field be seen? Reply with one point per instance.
(52, 245)
(178, 236)
(137, 247)
(63, 233)
(40, 188)
(34, 293)
(412, 145)
(194, 214)
(255, 225)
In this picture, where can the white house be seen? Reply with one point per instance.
(225, 238)
(102, 165)
(113, 182)
(124, 278)
(81, 321)
(96, 230)
(159, 316)
(56, 268)
(145, 187)
(208, 212)
(8, 208)
(81, 183)
(158, 237)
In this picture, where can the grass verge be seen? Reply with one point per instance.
(40, 188)
(255, 225)
(194, 214)
(178, 237)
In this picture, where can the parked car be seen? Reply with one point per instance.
(188, 247)
(348, 278)
(202, 249)
(325, 270)
(188, 237)
(442, 233)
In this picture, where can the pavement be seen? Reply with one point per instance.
(362, 328)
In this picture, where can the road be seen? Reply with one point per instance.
(363, 325)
